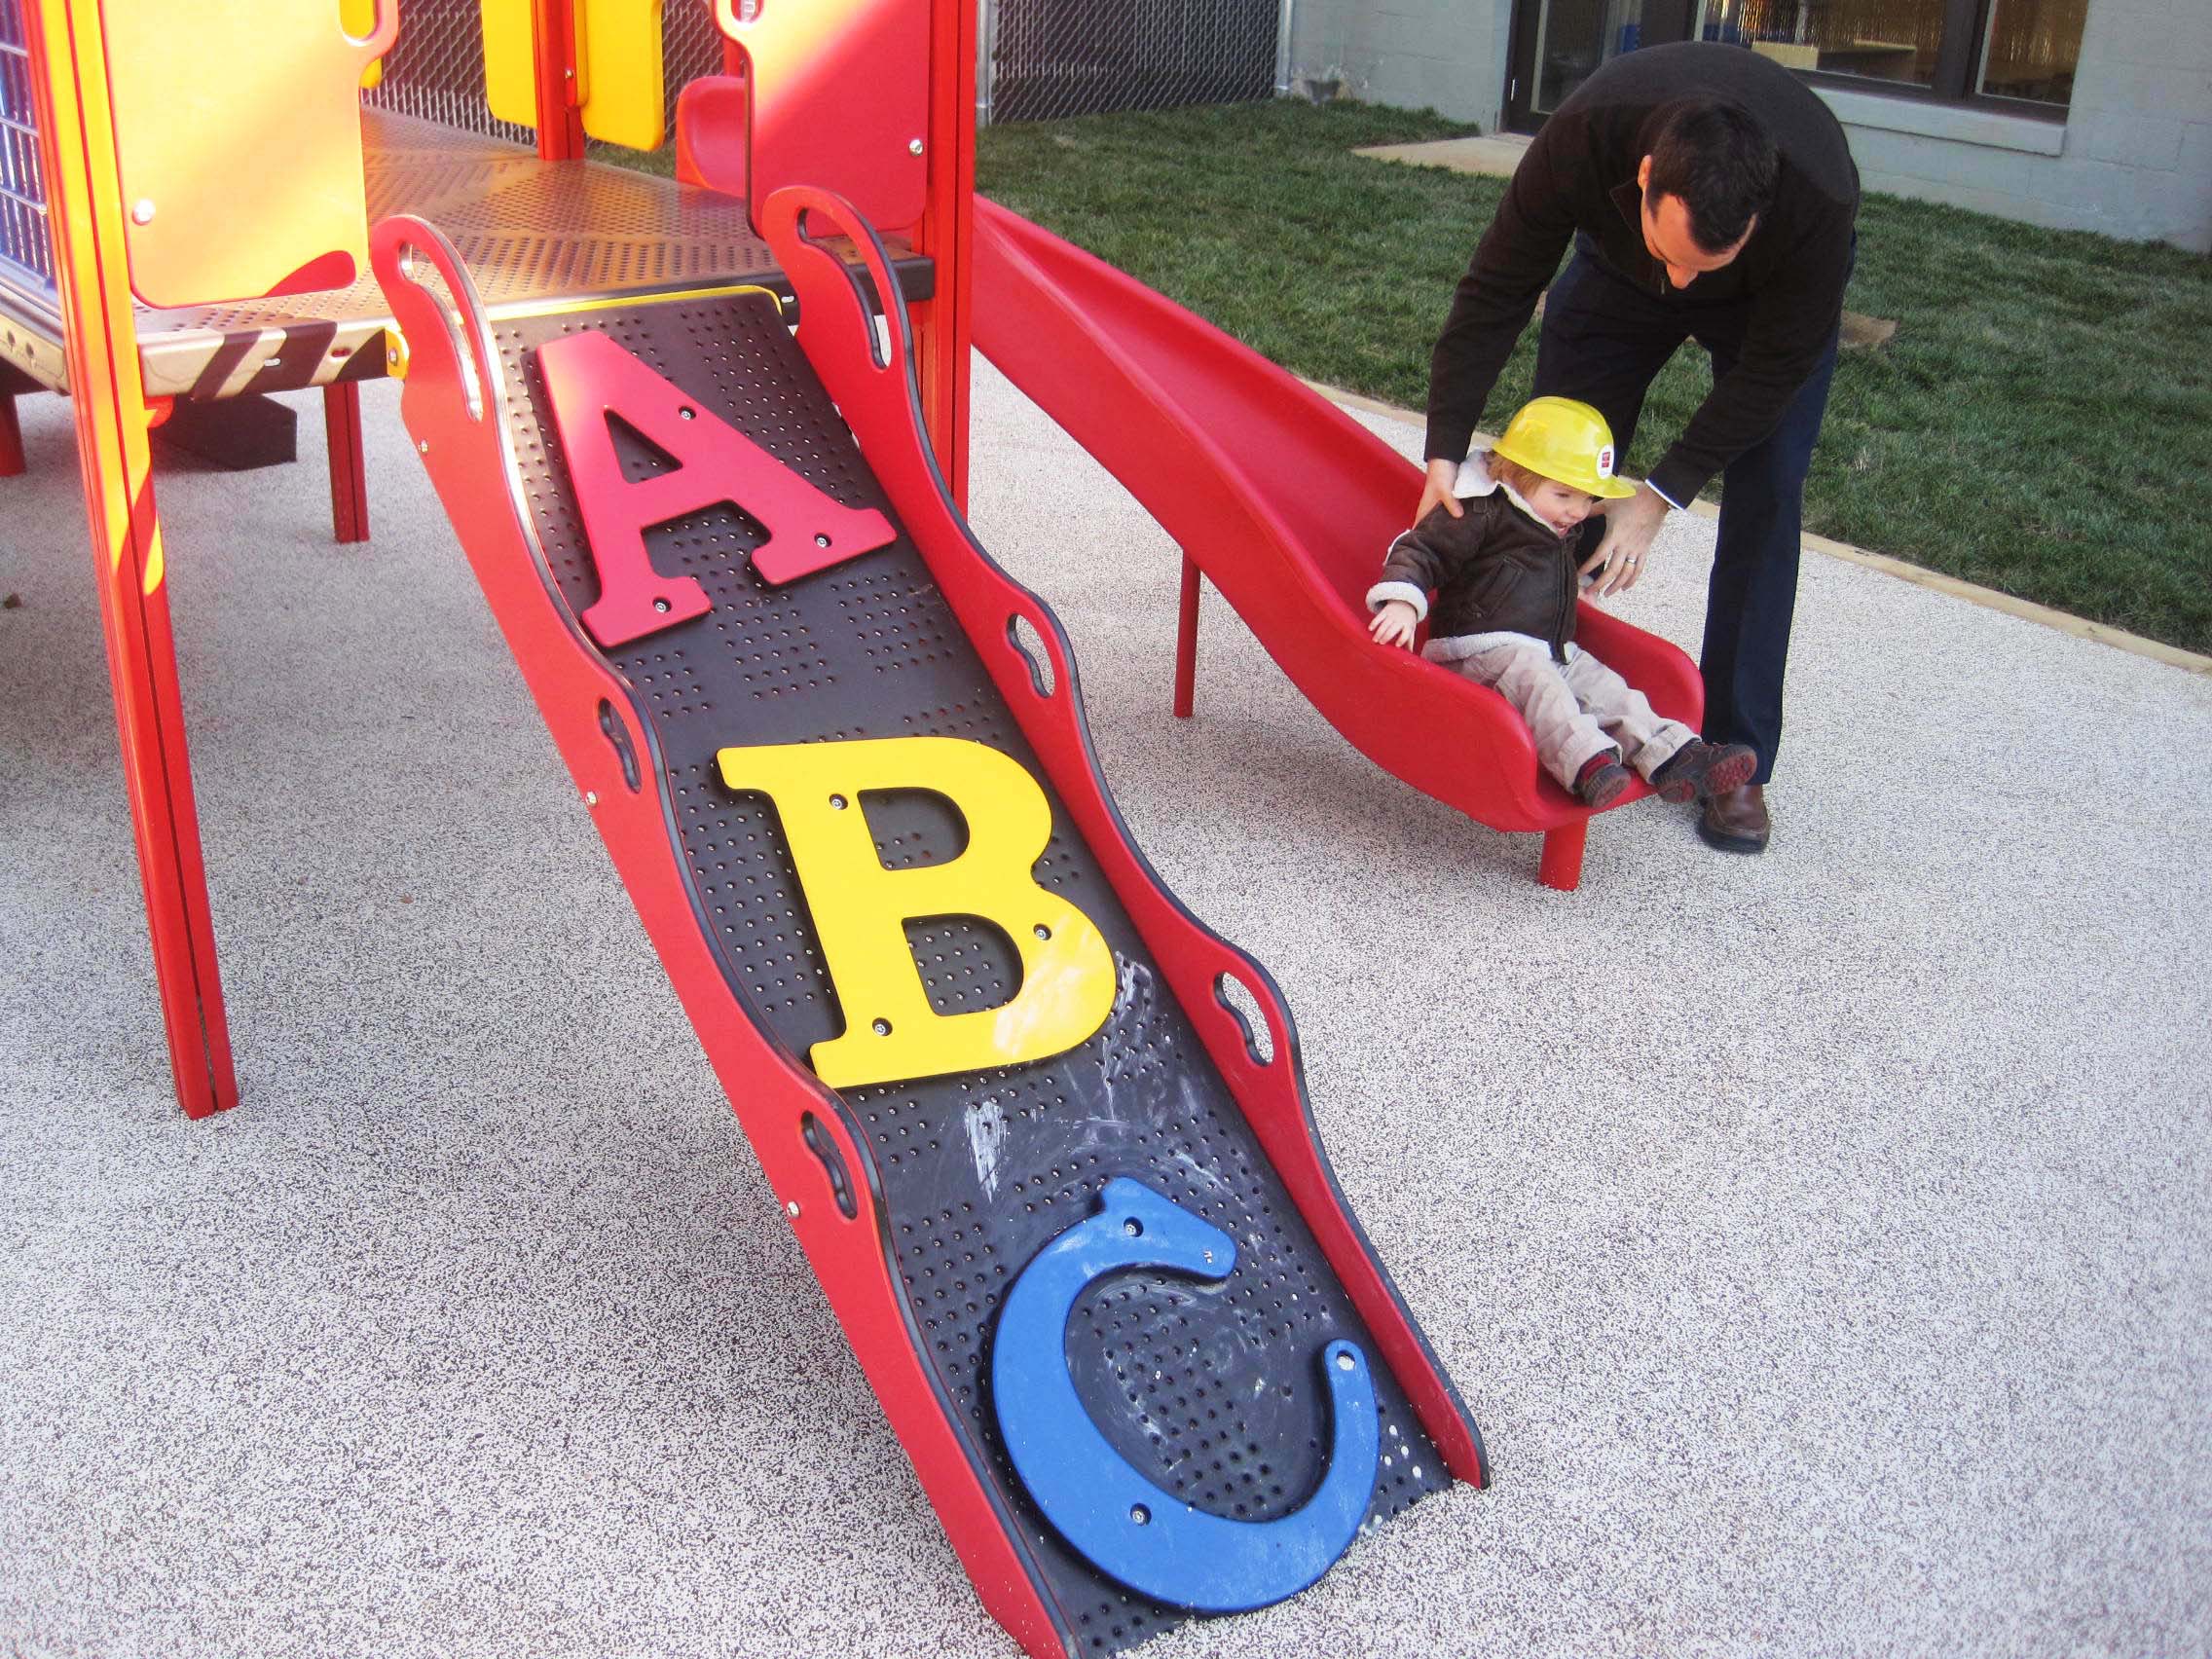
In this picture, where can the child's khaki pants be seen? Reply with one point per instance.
(1575, 709)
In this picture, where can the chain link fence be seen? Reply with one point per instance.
(435, 70)
(25, 250)
(1046, 60)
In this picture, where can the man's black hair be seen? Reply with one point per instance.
(1718, 158)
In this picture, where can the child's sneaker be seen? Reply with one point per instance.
(1602, 779)
(1701, 768)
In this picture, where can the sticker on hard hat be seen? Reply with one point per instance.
(1606, 461)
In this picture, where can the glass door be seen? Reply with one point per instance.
(1558, 43)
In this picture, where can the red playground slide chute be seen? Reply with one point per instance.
(1286, 504)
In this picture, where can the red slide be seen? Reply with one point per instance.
(1286, 504)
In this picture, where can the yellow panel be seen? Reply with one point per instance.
(860, 910)
(511, 73)
(625, 101)
(359, 18)
(238, 133)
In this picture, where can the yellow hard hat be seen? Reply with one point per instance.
(1566, 441)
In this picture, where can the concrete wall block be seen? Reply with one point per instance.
(1418, 81)
(2139, 88)
(1925, 161)
(2154, 32)
(2196, 152)
(2139, 140)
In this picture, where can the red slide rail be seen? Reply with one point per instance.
(1286, 504)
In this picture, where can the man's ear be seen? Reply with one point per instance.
(1643, 174)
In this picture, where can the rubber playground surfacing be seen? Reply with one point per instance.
(1823, 1240)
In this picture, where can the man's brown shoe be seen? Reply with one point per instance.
(1735, 819)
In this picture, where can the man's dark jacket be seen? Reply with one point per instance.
(1493, 568)
(1579, 174)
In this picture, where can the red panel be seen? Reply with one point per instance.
(882, 404)
(333, 270)
(588, 377)
(11, 438)
(1287, 503)
(839, 100)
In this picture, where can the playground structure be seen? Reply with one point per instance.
(837, 755)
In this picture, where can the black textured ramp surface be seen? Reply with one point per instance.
(1212, 1391)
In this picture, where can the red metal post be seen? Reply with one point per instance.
(560, 115)
(348, 477)
(11, 438)
(946, 235)
(1561, 867)
(84, 198)
(1186, 640)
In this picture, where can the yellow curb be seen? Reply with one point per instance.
(1919, 575)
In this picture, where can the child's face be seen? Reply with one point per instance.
(1560, 506)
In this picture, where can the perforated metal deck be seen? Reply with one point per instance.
(1209, 1390)
(533, 232)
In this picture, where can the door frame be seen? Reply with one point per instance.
(1661, 22)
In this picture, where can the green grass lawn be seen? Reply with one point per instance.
(2041, 423)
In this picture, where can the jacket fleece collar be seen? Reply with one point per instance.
(1474, 480)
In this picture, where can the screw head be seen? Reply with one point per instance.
(913, 146)
(792, 1208)
(424, 445)
(142, 210)
(591, 797)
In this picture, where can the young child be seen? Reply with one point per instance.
(1505, 574)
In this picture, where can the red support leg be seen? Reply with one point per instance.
(11, 438)
(1186, 640)
(1561, 867)
(349, 478)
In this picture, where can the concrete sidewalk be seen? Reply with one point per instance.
(1823, 1240)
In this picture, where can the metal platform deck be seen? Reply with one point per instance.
(518, 220)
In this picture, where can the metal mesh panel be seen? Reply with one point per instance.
(25, 249)
(435, 70)
(1052, 58)
(690, 47)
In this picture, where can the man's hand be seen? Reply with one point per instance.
(1393, 624)
(1631, 525)
(1437, 491)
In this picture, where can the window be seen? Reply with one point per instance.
(2019, 51)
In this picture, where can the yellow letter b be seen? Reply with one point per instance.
(860, 910)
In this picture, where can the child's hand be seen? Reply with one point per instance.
(1393, 624)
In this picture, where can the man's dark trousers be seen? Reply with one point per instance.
(1603, 339)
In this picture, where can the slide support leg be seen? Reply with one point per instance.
(348, 477)
(1561, 867)
(11, 438)
(1187, 640)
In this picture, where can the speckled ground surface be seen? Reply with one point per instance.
(1822, 1239)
